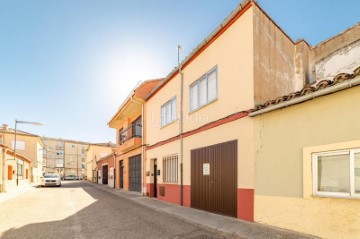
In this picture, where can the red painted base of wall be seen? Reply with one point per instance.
(172, 193)
(245, 204)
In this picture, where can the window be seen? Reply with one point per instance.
(20, 169)
(136, 128)
(82, 149)
(337, 173)
(20, 145)
(170, 169)
(168, 112)
(204, 90)
(121, 136)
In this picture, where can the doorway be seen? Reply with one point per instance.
(121, 173)
(214, 178)
(135, 173)
(105, 174)
(155, 179)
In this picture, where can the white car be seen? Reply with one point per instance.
(51, 180)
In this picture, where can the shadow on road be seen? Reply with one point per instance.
(110, 217)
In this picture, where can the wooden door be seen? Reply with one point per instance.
(10, 172)
(214, 178)
(121, 173)
(105, 174)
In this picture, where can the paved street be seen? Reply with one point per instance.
(80, 210)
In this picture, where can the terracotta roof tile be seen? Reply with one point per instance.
(340, 78)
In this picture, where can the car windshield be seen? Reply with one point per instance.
(51, 176)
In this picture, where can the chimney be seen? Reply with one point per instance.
(5, 127)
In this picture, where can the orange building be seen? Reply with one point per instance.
(128, 122)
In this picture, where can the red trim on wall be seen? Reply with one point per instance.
(172, 194)
(205, 127)
(187, 195)
(245, 204)
(150, 190)
(217, 35)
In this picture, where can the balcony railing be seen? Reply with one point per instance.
(132, 131)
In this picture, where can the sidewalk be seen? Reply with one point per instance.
(4, 196)
(228, 225)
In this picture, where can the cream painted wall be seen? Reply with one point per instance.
(158, 153)
(232, 54)
(94, 151)
(285, 140)
(154, 132)
(281, 136)
(323, 217)
(241, 130)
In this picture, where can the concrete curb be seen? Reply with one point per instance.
(231, 226)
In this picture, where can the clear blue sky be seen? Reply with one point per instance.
(70, 64)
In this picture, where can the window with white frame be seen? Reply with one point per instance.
(204, 90)
(20, 145)
(168, 112)
(337, 173)
(170, 169)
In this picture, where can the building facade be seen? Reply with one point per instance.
(65, 157)
(94, 153)
(15, 169)
(28, 145)
(213, 137)
(307, 147)
(130, 146)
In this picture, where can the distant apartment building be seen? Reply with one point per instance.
(65, 157)
(69, 157)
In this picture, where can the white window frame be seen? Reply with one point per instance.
(164, 117)
(197, 84)
(351, 153)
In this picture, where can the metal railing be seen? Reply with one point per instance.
(132, 131)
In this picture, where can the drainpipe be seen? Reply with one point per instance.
(142, 140)
(181, 129)
(114, 154)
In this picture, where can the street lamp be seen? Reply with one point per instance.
(17, 163)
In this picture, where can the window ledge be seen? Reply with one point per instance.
(336, 197)
(203, 106)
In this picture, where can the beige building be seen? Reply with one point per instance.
(197, 129)
(15, 169)
(66, 157)
(203, 151)
(307, 144)
(94, 153)
(27, 145)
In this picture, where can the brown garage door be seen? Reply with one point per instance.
(214, 178)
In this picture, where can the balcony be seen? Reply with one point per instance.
(130, 137)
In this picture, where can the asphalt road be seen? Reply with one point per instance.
(80, 210)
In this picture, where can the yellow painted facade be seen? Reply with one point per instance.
(31, 147)
(8, 179)
(285, 142)
(93, 154)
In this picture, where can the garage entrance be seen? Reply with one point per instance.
(135, 173)
(214, 178)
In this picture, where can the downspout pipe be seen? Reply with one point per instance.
(142, 140)
(329, 90)
(181, 134)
